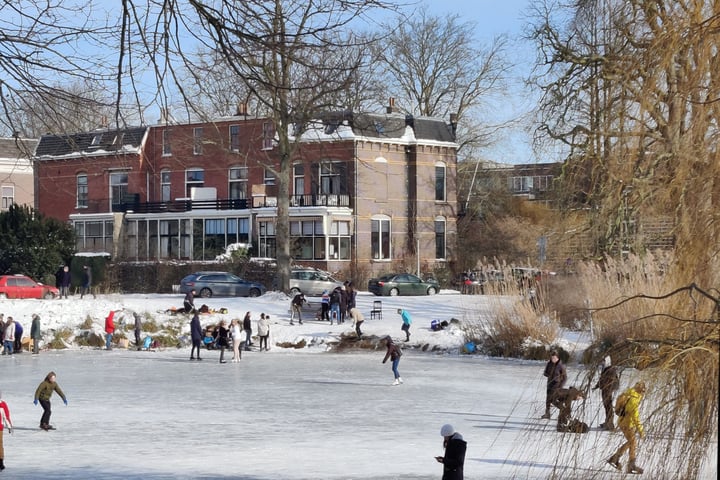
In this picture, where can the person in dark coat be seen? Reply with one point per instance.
(454, 459)
(189, 301)
(556, 378)
(608, 383)
(343, 304)
(65, 279)
(86, 282)
(35, 333)
(196, 335)
(138, 330)
(18, 337)
(563, 400)
(222, 340)
(296, 305)
(247, 328)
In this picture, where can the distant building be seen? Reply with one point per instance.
(366, 188)
(16, 172)
(533, 181)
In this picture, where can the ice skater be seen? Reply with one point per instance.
(42, 394)
(407, 321)
(196, 336)
(393, 353)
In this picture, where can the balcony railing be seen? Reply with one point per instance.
(131, 205)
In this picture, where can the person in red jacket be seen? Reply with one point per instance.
(4, 420)
(109, 329)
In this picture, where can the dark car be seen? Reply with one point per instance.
(403, 284)
(220, 284)
(20, 286)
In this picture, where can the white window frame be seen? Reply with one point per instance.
(81, 190)
(166, 149)
(440, 193)
(384, 238)
(198, 141)
(8, 196)
(165, 186)
(193, 183)
(234, 138)
(237, 176)
(443, 221)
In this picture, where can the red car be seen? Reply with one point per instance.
(20, 286)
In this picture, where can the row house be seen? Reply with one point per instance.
(365, 188)
(16, 172)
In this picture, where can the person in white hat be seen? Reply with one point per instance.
(608, 384)
(454, 458)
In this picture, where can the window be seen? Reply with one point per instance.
(165, 186)
(339, 240)
(8, 196)
(298, 185)
(268, 134)
(82, 191)
(440, 238)
(440, 187)
(380, 238)
(97, 138)
(266, 239)
(307, 240)
(235, 138)
(166, 142)
(268, 177)
(237, 179)
(118, 188)
(332, 178)
(194, 178)
(198, 141)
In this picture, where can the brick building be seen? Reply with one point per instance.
(365, 188)
(16, 172)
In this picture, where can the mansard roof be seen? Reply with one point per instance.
(95, 142)
(14, 148)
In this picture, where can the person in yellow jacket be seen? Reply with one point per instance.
(629, 422)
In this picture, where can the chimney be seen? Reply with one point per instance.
(391, 105)
(241, 109)
(453, 124)
(164, 115)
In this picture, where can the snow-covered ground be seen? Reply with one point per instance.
(293, 414)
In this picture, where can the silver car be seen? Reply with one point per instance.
(311, 281)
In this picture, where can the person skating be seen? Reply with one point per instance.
(43, 393)
(393, 353)
(196, 336)
(235, 332)
(222, 340)
(9, 337)
(608, 384)
(5, 421)
(18, 337)
(247, 328)
(296, 308)
(628, 410)
(407, 321)
(35, 333)
(556, 378)
(454, 458)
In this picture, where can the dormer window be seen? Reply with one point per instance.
(96, 140)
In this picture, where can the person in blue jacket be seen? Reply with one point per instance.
(407, 320)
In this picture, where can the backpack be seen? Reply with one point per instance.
(620, 403)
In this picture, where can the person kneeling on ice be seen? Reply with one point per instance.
(43, 393)
(393, 353)
(563, 401)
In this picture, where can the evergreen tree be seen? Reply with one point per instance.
(32, 244)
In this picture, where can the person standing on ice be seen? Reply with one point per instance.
(629, 412)
(35, 333)
(42, 394)
(235, 333)
(556, 378)
(454, 459)
(109, 329)
(4, 420)
(196, 336)
(393, 353)
(407, 321)
(222, 340)
(608, 384)
(263, 329)
(189, 301)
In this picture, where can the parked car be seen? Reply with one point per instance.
(311, 281)
(220, 284)
(20, 286)
(403, 284)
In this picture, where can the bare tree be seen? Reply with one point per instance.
(433, 67)
(292, 56)
(47, 51)
(631, 89)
